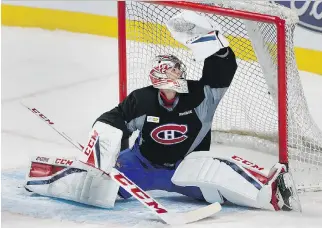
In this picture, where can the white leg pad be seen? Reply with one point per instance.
(78, 182)
(217, 179)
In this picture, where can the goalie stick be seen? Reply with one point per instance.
(171, 218)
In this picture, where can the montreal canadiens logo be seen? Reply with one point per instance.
(169, 134)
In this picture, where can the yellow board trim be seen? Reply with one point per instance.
(50, 19)
(309, 60)
(23, 16)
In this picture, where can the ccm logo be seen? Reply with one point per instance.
(41, 116)
(248, 163)
(42, 159)
(141, 195)
(89, 148)
(63, 161)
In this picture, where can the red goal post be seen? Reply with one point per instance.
(280, 44)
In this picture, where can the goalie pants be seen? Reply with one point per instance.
(150, 177)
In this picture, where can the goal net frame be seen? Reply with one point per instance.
(281, 55)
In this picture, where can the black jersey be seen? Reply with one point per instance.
(168, 134)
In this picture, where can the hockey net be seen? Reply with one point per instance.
(265, 108)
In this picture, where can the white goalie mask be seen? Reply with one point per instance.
(159, 75)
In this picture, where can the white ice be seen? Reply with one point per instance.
(73, 78)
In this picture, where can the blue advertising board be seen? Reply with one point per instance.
(309, 12)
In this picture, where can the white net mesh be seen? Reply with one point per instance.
(247, 115)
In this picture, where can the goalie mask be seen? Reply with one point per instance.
(168, 72)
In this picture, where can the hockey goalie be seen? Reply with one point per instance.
(172, 152)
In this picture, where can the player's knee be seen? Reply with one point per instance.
(201, 170)
(127, 159)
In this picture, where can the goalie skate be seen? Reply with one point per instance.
(287, 194)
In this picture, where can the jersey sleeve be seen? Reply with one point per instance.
(121, 115)
(219, 69)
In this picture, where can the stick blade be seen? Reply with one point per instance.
(191, 216)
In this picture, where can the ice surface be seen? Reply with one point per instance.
(73, 79)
